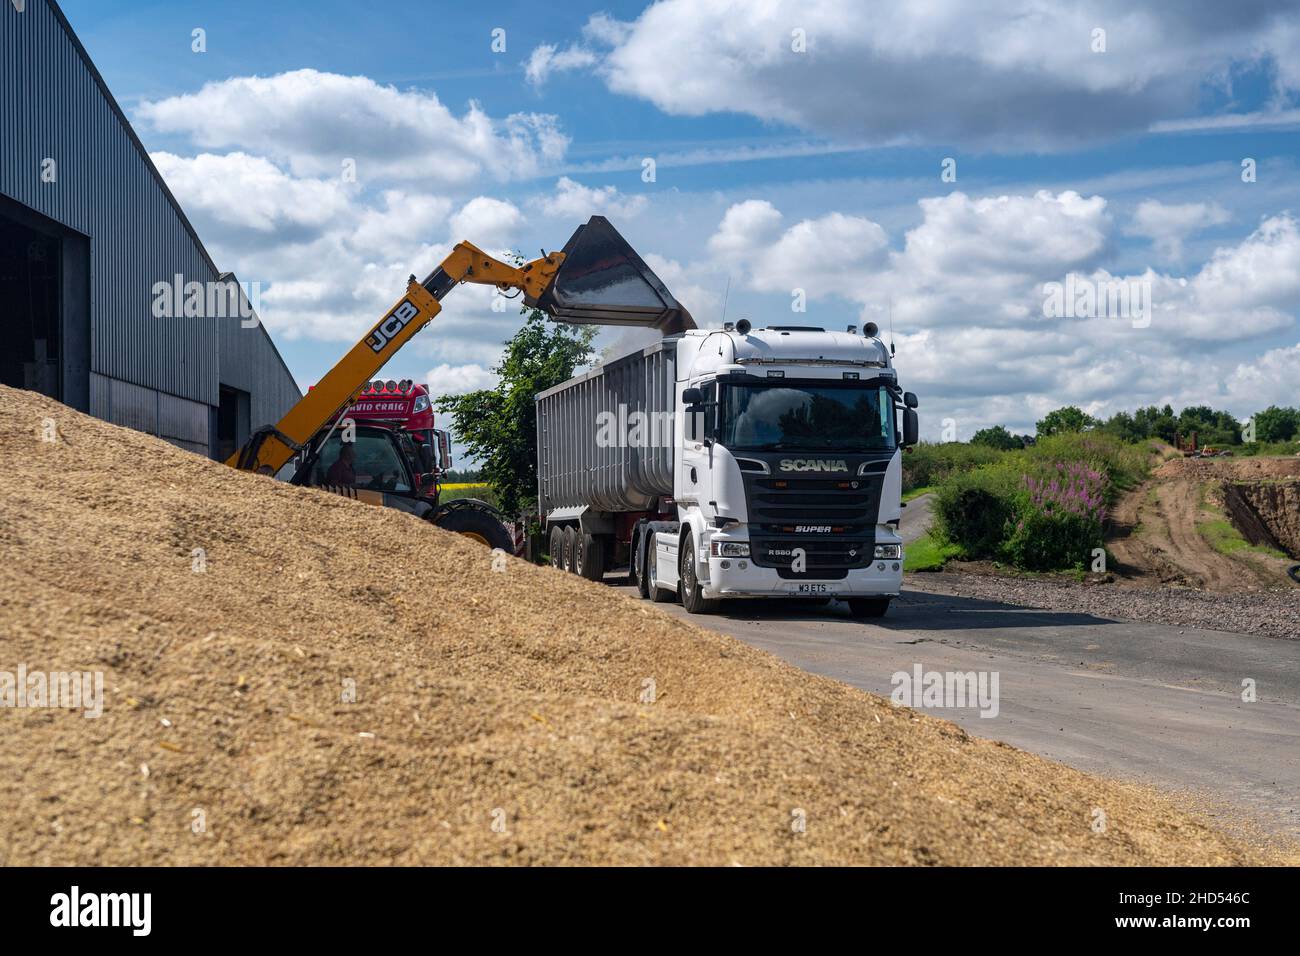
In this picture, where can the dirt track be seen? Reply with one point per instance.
(1157, 538)
(497, 715)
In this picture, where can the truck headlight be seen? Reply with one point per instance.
(729, 549)
(891, 551)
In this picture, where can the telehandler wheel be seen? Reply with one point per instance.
(477, 524)
(692, 598)
(868, 607)
(657, 594)
(570, 546)
(557, 547)
(589, 560)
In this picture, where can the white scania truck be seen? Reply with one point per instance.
(729, 463)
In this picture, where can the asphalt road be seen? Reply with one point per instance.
(1126, 699)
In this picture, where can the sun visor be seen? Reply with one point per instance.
(604, 282)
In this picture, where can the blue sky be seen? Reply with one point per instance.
(778, 169)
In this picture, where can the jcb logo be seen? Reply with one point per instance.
(814, 464)
(387, 330)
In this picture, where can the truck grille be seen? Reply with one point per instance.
(832, 519)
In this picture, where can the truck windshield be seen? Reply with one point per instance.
(847, 416)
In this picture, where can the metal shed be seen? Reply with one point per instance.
(88, 229)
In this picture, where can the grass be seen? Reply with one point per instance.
(461, 490)
(927, 553)
(917, 492)
(1221, 535)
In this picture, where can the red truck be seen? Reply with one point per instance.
(385, 450)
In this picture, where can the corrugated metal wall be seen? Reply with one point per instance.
(628, 461)
(52, 106)
(250, 362)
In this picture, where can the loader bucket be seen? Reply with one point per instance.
(604, 282)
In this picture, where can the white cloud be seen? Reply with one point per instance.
(993, 74)
(251, 193)
(547, 59)
(1168, 225)
(833, 254)
(312, 122)
(967, 294)
(574, 201)
(458, 379)
(491, 224)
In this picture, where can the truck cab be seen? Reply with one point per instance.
(789, 468)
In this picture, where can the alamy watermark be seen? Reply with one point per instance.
(634, 429)
(175, 298)
(951, 689)
(68, 690)
(1079, 297)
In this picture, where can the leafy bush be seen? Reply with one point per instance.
(1122, 465)
(1059, 517)
(997, 437)
(1269, 448)
(1043, 541)
(929, 464)
(973, 509)
(1042, 508)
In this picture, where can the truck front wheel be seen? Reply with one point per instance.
(868, 607)
(692, 598)
(657, 594)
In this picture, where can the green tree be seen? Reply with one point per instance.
(1277, 424)
(1126, 427)
(498, 426)
(996, 437)
(1211, 427)
(1071, 418)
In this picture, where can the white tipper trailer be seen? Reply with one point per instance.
(732, 463)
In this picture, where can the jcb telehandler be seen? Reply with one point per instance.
(596, 279)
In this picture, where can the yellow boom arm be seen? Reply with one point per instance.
(270, 448)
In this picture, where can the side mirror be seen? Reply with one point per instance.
(692, 396)
(909, 399)
(426, 457)
(911, 427)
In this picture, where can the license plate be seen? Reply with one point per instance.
(814, 589)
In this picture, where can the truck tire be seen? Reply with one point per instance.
(570, 546)
(657, 594)
(589, 557)
(868, 607)
(477, 524)
(692, 598)
(557, 547)
(641, 565)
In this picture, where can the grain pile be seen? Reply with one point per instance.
(497, 716)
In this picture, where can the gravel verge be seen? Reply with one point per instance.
(1274, 613)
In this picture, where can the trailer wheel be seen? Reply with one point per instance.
(657, 594)
(570, 546)
(641, 564)
(692, 598)
(589, 559)
(557, 547)
(477, 524)
(868, 607)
